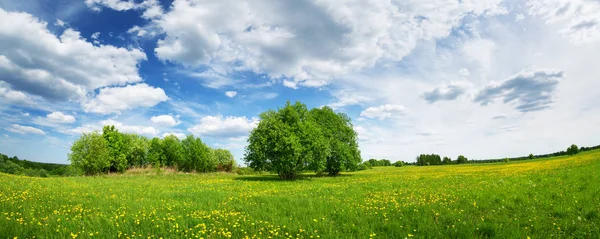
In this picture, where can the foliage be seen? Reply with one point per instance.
(292, 140)
(429, 159)
(196, 156)
(447, 160)
(572, 150)
(91, 154)
(124, 151)
(117, 148)
(558, 196)
(223, 159)
(340, 137)
(462, 159)
(399, 164)
(379, 162)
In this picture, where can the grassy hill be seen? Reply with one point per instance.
(541, 198)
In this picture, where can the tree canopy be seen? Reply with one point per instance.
(113, 151)
(293, 139)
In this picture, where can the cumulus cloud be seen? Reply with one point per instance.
(224, 127)
(13, 96)
(20, 129)
(345, 98)
(166, 120)
(122, 127)
(59, 117)
(444, 92)
(151, 8)
(527, 90)
(231, 94)
(37, 62)
(383, 112)
(117, 99)
(275, 38)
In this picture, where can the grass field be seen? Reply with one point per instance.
(549, 198)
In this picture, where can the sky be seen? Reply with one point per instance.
(481, 78)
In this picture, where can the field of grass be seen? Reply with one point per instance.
(549, 198)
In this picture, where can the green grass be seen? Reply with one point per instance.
(556, 197)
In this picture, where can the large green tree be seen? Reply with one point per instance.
(173, 151)
(91, 154)
(572, 150)
(156, 156)
(196, 156)
(287, 142)
(117, 147)
(340, 140)
(224, 159)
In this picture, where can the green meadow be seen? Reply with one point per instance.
(544, 198)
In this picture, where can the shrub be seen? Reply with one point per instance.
(91, 154)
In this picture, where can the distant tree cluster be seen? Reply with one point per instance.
(434, 159)
(113, 151)
(293, 139)
(14, 165)
(379, 162)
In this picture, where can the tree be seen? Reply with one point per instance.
(91, 154)
(530, 156)
(173, 151)
(447, 160)
(399, 163)
(340, 138)
(462, 159)
(196, 156)
(287, 142)
(137, 150)
(224, 160)
(156, 156)
(117, 148)
(572, 150)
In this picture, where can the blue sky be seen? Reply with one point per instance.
(485, 78)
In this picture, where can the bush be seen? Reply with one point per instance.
(91, 154)
(399, 164)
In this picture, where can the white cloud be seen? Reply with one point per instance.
(151, 8)
(37, 62)
(581, 17)
(122, 127)
(95, 35)
(59, 117)
(224, 127)
(14, 97)
(383, 111)
(345, 98)
(230, 94)
(25, 114)
(20, 129)
(446, 92)
(117, 99)
(178, 135)
(165, 120)
(277, 39)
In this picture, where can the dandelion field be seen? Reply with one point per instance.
(547, 198)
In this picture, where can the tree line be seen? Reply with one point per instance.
(14, 165)
(293, 139)
(114, 151)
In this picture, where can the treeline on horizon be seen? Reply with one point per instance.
(434, 159)
(114, 152)
(14, 165)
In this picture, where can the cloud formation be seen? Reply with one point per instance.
(37, 62)
(20, 129)
(444, 92)
(165, 120)
(59, 117)
(117, 99)
(383, 112)
(224, 127)
(527, 90)
(276, 38)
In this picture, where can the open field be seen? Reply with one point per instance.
(556, 197)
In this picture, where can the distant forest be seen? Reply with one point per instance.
(14, 165)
